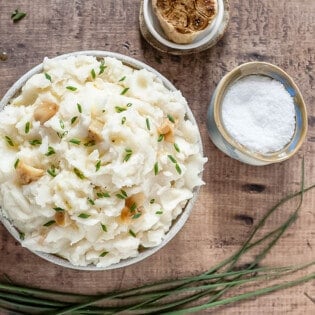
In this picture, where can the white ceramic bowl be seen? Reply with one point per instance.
(177, 224)
(153, 25)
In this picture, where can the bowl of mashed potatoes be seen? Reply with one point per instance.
(101, 160)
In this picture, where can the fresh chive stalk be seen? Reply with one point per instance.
(79, 107)
(16, 163)
(124, 91)
(48, 77)
(78, 173)
(84, 215)
(35, 142)
(71, 88)
(93, 74)
(27, 127)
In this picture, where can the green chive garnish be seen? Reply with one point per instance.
(148, 123)
(50, 151)
(152, 201)
(104, 228)
(156, 168)
(79, 107)
(62, 134)
(122, 195)
(93, 74)
(160, 138)
(17, 15)
(98, 165)
(78, 173)
(133, 207)
(71, 88)
(122, 79)
(178, 169)
(102, 67)
(171, 118)
(90, 201)
(9, 141)
(73, 119)
(132, 233)
(128, 154)
(27, 127)
(84, 215)
(22, 236)
(62, 124)
(16, 163)
(124, 91)
(176, 147)
(159, 212)
(48, 77)
(49, 223)
(123, 120)
(103, 195)
(103, 254)
(75, 141)
(120, 109)
(35, 142)
(58, 209)
(89, 143)
(52, 171)
(172, 158)
(129, 104)
(137, 215)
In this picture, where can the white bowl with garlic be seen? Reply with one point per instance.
(101, 160)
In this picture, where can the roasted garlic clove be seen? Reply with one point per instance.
(27, 174)
(45, 111)
(62, 218)
(95, 130)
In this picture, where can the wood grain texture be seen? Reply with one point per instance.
(235, 195)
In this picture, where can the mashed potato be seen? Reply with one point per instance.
(97, 159)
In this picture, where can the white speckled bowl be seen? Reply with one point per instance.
(177, 224)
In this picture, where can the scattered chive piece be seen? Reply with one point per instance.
(103, 195)
(78, 173)
(103, 254)
(152, 201)
(58, 209)
(75, 141)
(128, 155)
(93, 74)
(17, 15)
(178, 169)
(124, 91)
(123, 195)
(90, 201)
(133, 207)
(22, 236)
(50, 151)
(172, 158)
(89, 143)
(148, 123)
(48, 77)
(176, 147)
(120, 109)
(104, 110)
(79, 107)
(160, 138)
(35, 142)
(137, 215)
(84, 215)
(171, 118)
(61, 135)
(49, 223)
(27, 127)
(132, 233)
(73, 119)
(104, 228)
(123, 120)
(9, 141)
(122, 79)
(71, 88)
(52, 172)
(156, 168)
(62, 124)
(129, 104)
(159, 212)
(98, 165)
(102, 67)
(16, 163)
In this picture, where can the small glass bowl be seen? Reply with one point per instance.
(223, 140)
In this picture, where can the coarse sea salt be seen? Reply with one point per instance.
(259, 113)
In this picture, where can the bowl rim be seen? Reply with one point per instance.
(177, 224)
(226, 82)
(213, 28)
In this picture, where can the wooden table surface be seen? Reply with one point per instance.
(235, 195)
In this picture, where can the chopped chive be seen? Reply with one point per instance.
(102, 67)
(17, 15)
(176, 147)
(48, 77)
(152, 201)
(103, 195)
(103, 254)
(58, 209)
(50, 151)
(75, 141)
(122, 79)
(27, 127)
(9, 141)
(78, 173)
(171, 118)
(156, 168)
(103, 110)
(133, 207)
(73, 119)
(16, 163)
(90, 201)
(98, 165)
(62, 134)
(148, 123)
(137, 215)
(79, 107)
(129, 104)
(132, 233)
(128, 155)
(71, 88)
(124, 91)
(22, 236)
(52, 171)
(172, 158)
(178, 169)
(123, 120)
(62, 124)
(89, 143)
(93, 74)
(49, 223)
(120, 109)
(159, 212)
(84, 215)
(160, 138)
(35, 142)
(124, 193)
(104, 228)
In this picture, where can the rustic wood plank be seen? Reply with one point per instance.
(236, 195)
